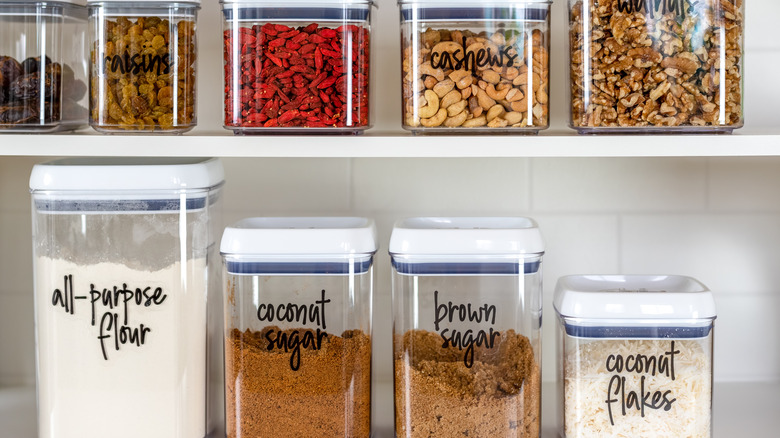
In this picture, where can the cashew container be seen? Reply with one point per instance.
(297, 66)
(143, 62)
(656, 66)
(43, 75)
(476, 66)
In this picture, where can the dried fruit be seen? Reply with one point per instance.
(144, 77)
(310, 76)
(640, 65)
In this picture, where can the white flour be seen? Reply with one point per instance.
(155, 390)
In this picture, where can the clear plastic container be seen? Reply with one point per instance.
(476, 66)
(634, 356)
(297, 66)
(298, 327)
(467, 313)
(143, 56)
(123, 253)
(656, 66)
(43, 73)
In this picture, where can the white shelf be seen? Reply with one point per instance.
(753, 142)
(740, 409)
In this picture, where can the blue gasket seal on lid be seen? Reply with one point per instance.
(644, 332)
(296, 14)
(306, 268)
(449, 268)
(118, 205)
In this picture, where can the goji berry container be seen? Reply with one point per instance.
(467, 314)
(298, 297)
(297, 66)
(43, 76)
(656, 66)
(635, 356)
(143, 65)
(475, 66)
(124, 252)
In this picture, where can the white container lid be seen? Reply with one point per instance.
(196, 2)
(287, 236)
(469, 3)
(641, 298)
(466, 236)
(126, 174)
(299, 3)
(70, 2)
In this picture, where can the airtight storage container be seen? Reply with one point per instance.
(298, 327)
(467, 313)
(634, 356)
(297, 66)
(122, 258)
(143, 56)
(656, 66)
(475, 66)
(43, 75)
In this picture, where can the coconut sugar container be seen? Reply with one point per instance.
(297, 307)
(43, 75)
(122, 258)
(475, 66)
(143, 56)
(467, 309)
(297, 66)
(656, 66)
(634, 356)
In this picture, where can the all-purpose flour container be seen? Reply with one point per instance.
(298, 327)
(635, 356)
(123, 250)
(467, 303)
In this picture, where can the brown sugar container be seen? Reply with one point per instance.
(298, 327)
(656, 66)
(143, 61)
(467, 302)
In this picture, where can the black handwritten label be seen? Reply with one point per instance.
(292, 341)
(137, 64)
(628, 398)
(475, 59)
(656, 7)
(110, 311)
(465, 340)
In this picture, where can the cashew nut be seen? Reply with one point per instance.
(449, 98)
(431, 108)
(495, 94)
(430, 81)
(457, 108)
(474, 107)
(475, 122)
(491, 77)
(446, 46)
(457, 120)
(443, 87)
(498, 122)
(513, 117)
(541, 96)
(437, 73)
(514, 95)
(484, 100)
(465, 93)
(465, 81)
(495, 111)
(437, 120)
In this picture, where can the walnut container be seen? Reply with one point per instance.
(656, 66)
(475, 67)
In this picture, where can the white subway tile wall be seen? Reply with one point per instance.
(715, 219)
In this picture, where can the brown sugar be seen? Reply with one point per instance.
(329, 395)
(437, 395)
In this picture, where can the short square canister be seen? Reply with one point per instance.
(467, 303)
(298, 327)
(634, 356)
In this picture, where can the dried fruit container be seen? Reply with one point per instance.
(298, 327)
(656, 66)
(297, 66)
(476, 66)
(143, 57)
(123, 259)
(634, 356)
(467, 313)
(43, 75)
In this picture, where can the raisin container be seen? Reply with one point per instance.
(298, 297)
(43, 73)
(634, 356)
(656, 66)
(481, 66)
(297, 66)
(123, 258)
(143, 65)
(467, 313)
